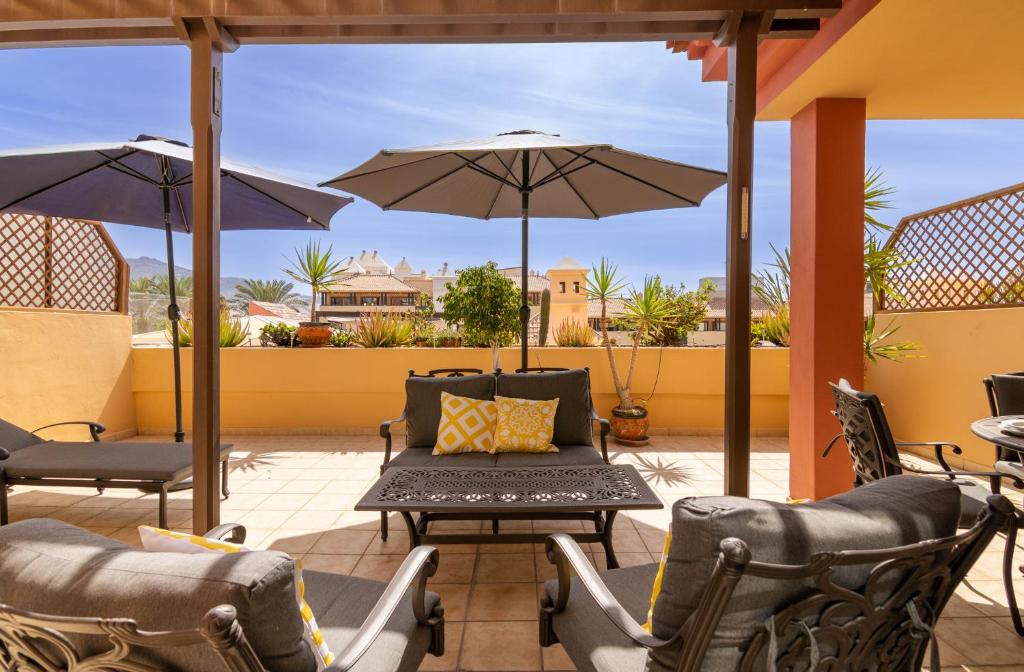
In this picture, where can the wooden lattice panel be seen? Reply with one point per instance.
(51, 262)
(968, 254)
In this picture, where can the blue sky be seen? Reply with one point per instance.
(312, 112)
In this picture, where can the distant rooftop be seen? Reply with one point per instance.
(568, 264)
(369, 282)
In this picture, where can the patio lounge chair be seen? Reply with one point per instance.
(574, 418)
(28, 459)
(199, 612)
(853, 582)
(876, 456)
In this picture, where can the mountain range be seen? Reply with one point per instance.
(144, 267)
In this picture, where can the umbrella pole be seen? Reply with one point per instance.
(524, 306)
(173, 314)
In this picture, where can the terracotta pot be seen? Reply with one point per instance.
(314, 334)
(629, 427)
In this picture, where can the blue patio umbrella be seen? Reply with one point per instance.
(148, 182)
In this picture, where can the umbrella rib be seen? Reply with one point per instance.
(573, 186)
(559, 171)
(60, 182)
(472, 164)
(276, 200)
(424, 186)
(508, 169)
(115, 164)
(173, 185)
(641, 181)
(501, 185)
(381, 170)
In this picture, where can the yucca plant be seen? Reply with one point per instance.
(644, 310)
(876, 347)
(233, 331)
(314, 268)
(573, 334)
(383, 330)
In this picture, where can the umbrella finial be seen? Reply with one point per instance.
(527, 131)
(144, 137)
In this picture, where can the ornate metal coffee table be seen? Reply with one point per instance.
(594, 493)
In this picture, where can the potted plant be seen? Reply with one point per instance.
(486, 304)
(316, 269)
(645, 311)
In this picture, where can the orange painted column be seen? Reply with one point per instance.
(827, 285)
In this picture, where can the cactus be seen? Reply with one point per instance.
(545, 317)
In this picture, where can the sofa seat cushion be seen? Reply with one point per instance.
(571, 388)
(342, 603)
(424, 457)
(567, 456)
(423, 403)
(111, 460)
(882, 514)
(50, 567)
(14, 438)
(973, 498)
(589, 637)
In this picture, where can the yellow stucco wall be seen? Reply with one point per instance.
(64, 365)
(351, 389)
(936, 397)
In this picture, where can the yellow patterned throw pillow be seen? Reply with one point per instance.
(525, 425)
(168, 541)
(467, 425)
(656, 588)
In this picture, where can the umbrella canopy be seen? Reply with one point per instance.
(483, 178)
(148, 182)
(119, 182)
(524, 174)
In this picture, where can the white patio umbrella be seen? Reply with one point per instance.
(523, 174)
(148, 182)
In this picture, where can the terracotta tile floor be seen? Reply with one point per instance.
(295, 493)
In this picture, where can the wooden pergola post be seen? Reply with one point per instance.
(207, 61)
(742, 47)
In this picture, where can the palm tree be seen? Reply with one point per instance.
(158, 284)
(268, 291)
(314, 268)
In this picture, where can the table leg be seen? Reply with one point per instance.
(414, 537)
(606, 540)
(1011, 598)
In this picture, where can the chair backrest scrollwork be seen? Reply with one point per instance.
(867, 434)
(30, 641)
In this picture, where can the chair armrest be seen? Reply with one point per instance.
(606, 428)
(995, 478)
(937, 446)
(565, 554)
(385, 432)
(230, 532)
(419, 565)
(95, 428)
(4, 453)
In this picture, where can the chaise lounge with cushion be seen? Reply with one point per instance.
(28, 459)
(573, 423)
(853, 582)
(70, 599)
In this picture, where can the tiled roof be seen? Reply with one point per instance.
(615, 308)
(281, 310)
(370, 283)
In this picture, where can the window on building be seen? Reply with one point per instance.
(576, 286)
(561, 288)
(370, 301)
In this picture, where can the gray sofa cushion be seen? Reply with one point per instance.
(15, 438)
(885, 513)
(104, 459)
(342, 603)
(566, 456)
(423, 403)
(571, 388)
(589, 637)
(54, 568)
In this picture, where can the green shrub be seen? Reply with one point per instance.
(233, 332)
(382, 330)
(341, 338)
(279, 334)
(574, 334)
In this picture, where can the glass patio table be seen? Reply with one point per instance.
(593, 493)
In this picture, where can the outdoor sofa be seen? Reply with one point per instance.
(28, 459)
(853, 582)
(70, 599)
(573, 429)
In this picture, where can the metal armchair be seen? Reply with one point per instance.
(876, 625)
